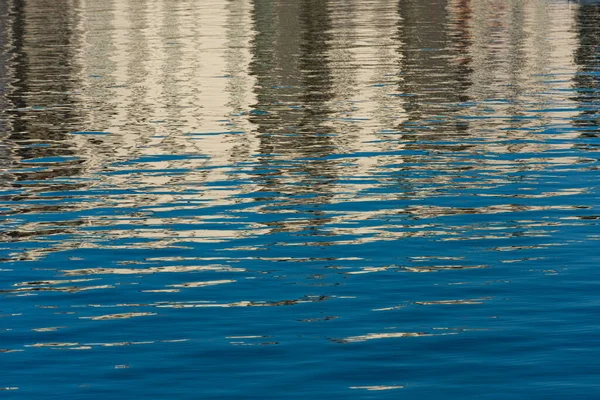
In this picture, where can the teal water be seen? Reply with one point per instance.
(327, 199)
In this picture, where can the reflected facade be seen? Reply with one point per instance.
(300, 199)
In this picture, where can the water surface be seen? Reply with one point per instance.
(328, 199)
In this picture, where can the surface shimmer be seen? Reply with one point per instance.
(299, 199)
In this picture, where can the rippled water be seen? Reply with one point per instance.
(328, 199)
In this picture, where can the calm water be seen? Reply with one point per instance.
(324, 199)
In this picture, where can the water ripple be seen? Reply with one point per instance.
(299, 199)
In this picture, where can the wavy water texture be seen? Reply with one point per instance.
(328, 199)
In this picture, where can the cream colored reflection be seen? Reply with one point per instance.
(390, 335)
(355, 50)
(151, 73)
(490, 44)
(167, 78)
(159, 75)
(365, 55)
(540, 38)
(515, 46)
(168, 74)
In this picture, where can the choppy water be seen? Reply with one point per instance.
(327, 199)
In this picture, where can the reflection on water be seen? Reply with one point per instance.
(269, 199)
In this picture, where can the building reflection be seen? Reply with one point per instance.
(175, 85)
(477, 71)
(158, 96)
(6, 146)
(39, 110)
(431, 80)
(293, 88)
(40, 94)
(587, 57)
(278, 107)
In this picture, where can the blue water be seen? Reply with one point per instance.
(326, 199)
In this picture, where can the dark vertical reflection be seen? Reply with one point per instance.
(587, 58)
(436, 68)
(5, 145)
(42, 55)
(293, 88)
(424, 68)
(40, 81)
(461, 37)
(460, 34)
(435, 63)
